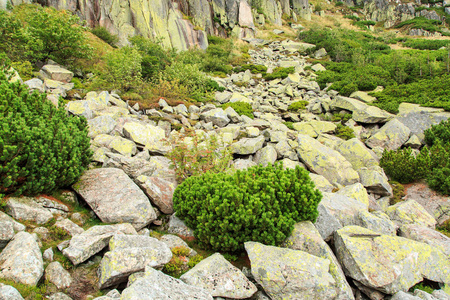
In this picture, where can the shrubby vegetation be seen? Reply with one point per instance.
(361, 61)
(258, 204)
(431, 163)
(242, 108)
(105, 35)
(41, 147)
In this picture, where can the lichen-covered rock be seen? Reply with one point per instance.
(8, 292)
(57, 73)
(93, 240)
(157, 285)
(160, 192)
(6, 233)
(306, 237)
(247, 146)
(357, 192)
(216, 116)
(69, 226)
(16, 225)
(21, 260)
(220, 278)
(177, 226)
(325, 161)
(335, 212)
(101, 125)
(420, 119)
(362, 112)
(114, 197)
(388, 263)
(266, 155)
(56, 274)
(410, 212)
(321, 183)
(390, 137)
(357, 154)
(152, 137)
(377, 221)
(131, 254)
(426, 235)
(26, 208)
(290, 274)
(375, 180)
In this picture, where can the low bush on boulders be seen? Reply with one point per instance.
(431, 163)
(41, 147)
(258, 204)
(242, 108)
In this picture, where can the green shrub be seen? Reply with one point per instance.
(402, 166)
(352, 17)
(289, 125)
(439, 179)
(258, 204)
(242, 108)
(41, 147)
(53, 34)
(438, 133)
(344, 132)
(123, 69)
(420, 23)
(423, 44)
(364, 24)
(105, 35)
(13, 38)
(279, 73)
(255, 69)
(195, 260)
(298, 105)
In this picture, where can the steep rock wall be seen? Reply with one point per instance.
(181, 24)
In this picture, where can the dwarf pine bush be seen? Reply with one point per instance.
(258, 204)
(41, 147)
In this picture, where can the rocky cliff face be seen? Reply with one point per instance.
(179, 23)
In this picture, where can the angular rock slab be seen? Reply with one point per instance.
(8, 292)
(357, 154)
(426, 235)
(131, 254)
(152, 137)
(157, 285)
(26, 208)
(114, 197)
(56, 274)
(21, 260)
(220, 278)
(325, 161)
(306, 237)
(375, 180)
(159, 190)
(247, 146)
(388, 263)
(391, 136)
(362, 113)
(290, 274)
(93, 240)
(410, 212)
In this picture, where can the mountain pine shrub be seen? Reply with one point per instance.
(258, 204)
(41, 147)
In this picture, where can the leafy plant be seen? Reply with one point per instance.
(41, 147)
(105, 35)
(289, 125)
(242, 108)
(192, 156)
(258, 204)
(195, 260)
(398, 192)
(279, 73)
(298, 105)
(344, 132)
(438, 133)
(402, 166)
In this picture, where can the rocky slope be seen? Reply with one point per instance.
(360, 247)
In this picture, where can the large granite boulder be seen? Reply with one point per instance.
(390, 137)
(152, 137)
(8, 292)
(291, 274)
(39, 210)
(247, 146)
(157, 285)
(21, 260)
(362, 113)
(375, 180)
(325, 161)
(130, 254)
(420, 119)
(94, 240)
(410, 212)
(306, 237)
(357, 154)
(220, 278)
(56, 274)
(426, 235)
(114, 197)
(56, 72)
(217, 116)
(159, 190)
(388, 263)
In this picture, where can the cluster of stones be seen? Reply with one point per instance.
(378, 251)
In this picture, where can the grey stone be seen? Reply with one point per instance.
(220, 278)
(391, 136)
(114, 197)
(21, 260)
(156, 285)
(6, 233)
(247, 146)
(177, 226)
(410, 212)
(83, 246)
(69, 226)
(57, 73)
(217, 116)
(57, 275)
(8, 292)
(174, 241)
(159, 190)
(426, 235)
